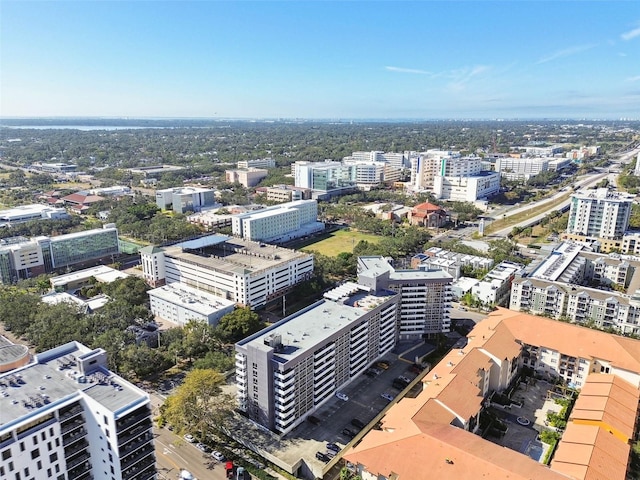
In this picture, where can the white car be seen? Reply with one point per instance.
(387, 396)
(189, 438)
(342, 396)
(218, 456)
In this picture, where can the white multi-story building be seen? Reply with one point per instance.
(599, 213)
(28, 213)
(247, 273)
(467, 189)
(179, 303)
(288, 370)
(247, 177)
(425, 295)
(279, 223)
(426, 165)
(258, 163)
(495, 287)
(543, 151)
(521, 168)
(186, 199)
(287, 193)
(65, 416)
(322, 176)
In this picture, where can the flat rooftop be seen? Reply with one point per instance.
(54, 376)
(190, 298)
(101, 273)
(311, 327)
(236, 255)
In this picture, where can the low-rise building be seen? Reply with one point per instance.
(247, 177)
(154, 171)
(428, 215)
(179, 303)
(286, 371)
(257, 163)
(186, 199)
(29, 213)
(287, 193)
(495, 287)
(66, 416)
(82, 278)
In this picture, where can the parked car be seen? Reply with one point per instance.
(218, 456)
(322, 457)
(333, 447)
(342, 396)
(382, 365)
(348, 433)
(405, 379)
(387, 396)
(357, 423)
(202, 447)
(313, 420)
(189, 438)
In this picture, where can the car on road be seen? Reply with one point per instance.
(348, 433)
(342, 396)
(333, 447)
(218, 456)
(202, 447)
(189, 438)
(357, 423)
(322, 457)
(387, 396)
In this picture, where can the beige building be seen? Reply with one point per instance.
(247, 177)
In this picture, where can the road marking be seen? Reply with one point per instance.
(171, 445)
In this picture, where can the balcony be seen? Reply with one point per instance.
(135, 432)
(69, 452)
(148, 473)
(139, 468)
(77, 461)
(75, 411)
(71, 426)
(82, 472)
(146, 438)
(137, 457)
(125, 423)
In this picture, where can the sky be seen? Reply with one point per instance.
(320, 59)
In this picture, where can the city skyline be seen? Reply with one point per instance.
(384, 60)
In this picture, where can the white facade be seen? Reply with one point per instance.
(279, 223)
(186, 199)
(286, 371)
(495, 287)
(27, 213)
(599, 213)
(426, 165)
(178, 303)
(247, 177)
(72, 419)
(521, 168)
(467, 189)
(259, 163)
(247, 273)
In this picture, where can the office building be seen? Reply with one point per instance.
(521, 168)
(258, 163)
(432, 435)
(280, 223)
(65, 416)
(154, 171)
(179, 303)
(287, 193)
(599, 213)
(425, 296)
(542, 151)
(286, 371)
(426, 165)
(247, 177)
(23, 258)
(324, 176)
(29, 213)
(247, 273)
(186, 199)
(83, 278)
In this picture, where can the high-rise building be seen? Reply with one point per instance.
(599, 213)
(288, 370)
(425, 295)
(65, 416)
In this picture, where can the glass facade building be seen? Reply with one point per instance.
(83, 246)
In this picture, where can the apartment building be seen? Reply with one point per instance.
(22, 258)
(286, 371)
(65, 416)
(599, 213)
(521, 168)
(495, 287)
(29, 213)
(179, 303)
(258, 163)
(247, 273)
(247, 177)
(425, 296)
(434, 432)
(186, 199)
(279, 223)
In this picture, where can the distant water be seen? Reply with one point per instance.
(84, 128)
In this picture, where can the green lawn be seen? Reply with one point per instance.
(337, 242)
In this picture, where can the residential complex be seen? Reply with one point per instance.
(433, 434)
(521, 168)
(495, 286)
(279, 223)
(247, 273)
(65, 416)
(29, 213)
(186, 199)
(247, 177)
(22, 258)
(179, 303)
(450, 262)
(286, 371)
(599, 214)
(425, 296)
(577, 284)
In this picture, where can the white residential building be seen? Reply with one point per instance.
(599, 213)
(65, 416)
(495, 287)
(521, 168)
(186, 199)
(279, 223)
(288, 370)
(425, 295)
(247, 273)
(28, 213)
(179, 303)
(467, 189)
(258, 163)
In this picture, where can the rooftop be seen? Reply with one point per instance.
(196, 300)
(101, 273)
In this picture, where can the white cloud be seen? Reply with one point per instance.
(567, 52)
(631, 34)
(408, 70)
(622, 54)
(633, 79)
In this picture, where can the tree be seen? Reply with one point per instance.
(238, 324)
(198, 405)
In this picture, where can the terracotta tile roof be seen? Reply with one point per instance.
(429, 207)
(81, 199)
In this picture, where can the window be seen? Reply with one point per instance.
(35, 453)
(6, 455)
(53, 457)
